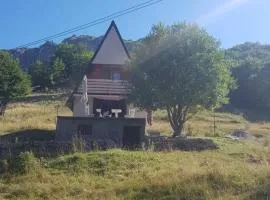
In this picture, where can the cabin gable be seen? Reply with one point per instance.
(112, 50)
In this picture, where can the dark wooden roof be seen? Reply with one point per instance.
(105, 87)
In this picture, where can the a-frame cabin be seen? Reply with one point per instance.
(107, 90)
(108, 78)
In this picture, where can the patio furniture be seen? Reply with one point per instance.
(99, 111)
(116, 112)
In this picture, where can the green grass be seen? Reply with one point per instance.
(237, 170)
(118, 174)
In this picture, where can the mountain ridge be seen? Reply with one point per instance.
(45, 52)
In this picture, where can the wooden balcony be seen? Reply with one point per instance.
(106, 87)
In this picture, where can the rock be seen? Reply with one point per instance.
(240, 134)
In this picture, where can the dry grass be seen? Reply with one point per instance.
(202, 124)
(237, 170)
(25, 116)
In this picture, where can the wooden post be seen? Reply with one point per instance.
(57, 107)
(57, 112)
(214, 116)
(43, 108)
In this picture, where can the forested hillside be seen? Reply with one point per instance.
(252, 72)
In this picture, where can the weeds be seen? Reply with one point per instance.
(25, 163)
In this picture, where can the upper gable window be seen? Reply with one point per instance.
(116, 76)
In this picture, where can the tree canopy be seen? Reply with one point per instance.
(179, 68)
(13, 82)
(39, 73)
(76, 59)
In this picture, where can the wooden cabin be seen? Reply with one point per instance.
(107, 92)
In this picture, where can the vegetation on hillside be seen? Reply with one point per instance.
(67, 67)
(252, 74)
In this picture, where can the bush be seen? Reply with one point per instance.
(25, 163)
(3, 166)
(77, 162)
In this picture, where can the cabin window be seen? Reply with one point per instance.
(116, 76)
(84, 130)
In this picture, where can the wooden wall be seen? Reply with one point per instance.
(105, 72)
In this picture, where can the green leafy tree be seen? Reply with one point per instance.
(140, 79)
(57, 72)
(75, 58)
(13, 82)
(80, 65)
(40, 74)
(180, 68)
(66, 52)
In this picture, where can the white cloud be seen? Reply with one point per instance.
(218, 12)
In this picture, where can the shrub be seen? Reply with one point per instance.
(25, 163)
(78, 144)
(98, 165)
(77, 162)
(3, 166)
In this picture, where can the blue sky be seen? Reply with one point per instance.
(230, 21)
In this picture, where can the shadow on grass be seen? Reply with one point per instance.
(194, 144)
(29, 135)
(42, 97)
(262, 189)
(39, 141)
(253, 115)
(181, 143)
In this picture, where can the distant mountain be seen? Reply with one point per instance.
(90, 42)
(28, 56)
(45, 52)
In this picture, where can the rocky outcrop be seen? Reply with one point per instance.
(90, 42)
(28, 56)
(45, 52)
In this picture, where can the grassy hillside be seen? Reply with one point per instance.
(118, 174)
(237, 170)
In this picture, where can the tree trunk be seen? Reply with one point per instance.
(177, 118)
(3, 106)
(149, 116)
(178, 130)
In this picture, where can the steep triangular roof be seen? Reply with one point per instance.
(112, 49)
